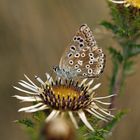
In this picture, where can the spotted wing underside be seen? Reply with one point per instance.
(82, 56)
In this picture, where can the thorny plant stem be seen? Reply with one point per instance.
(117, 85)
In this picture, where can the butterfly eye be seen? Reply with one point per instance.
(55, 69)
(71, 62)
(83, 55)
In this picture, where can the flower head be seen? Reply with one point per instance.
(64, 96)
(133, 3)
(62, 128)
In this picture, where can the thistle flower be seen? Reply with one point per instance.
(64, 97)
(133, 3)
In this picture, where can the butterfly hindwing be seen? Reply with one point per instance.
(82, 56)
(93, 61)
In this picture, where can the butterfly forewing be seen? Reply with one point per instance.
(82, 57)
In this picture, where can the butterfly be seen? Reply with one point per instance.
(82, 58)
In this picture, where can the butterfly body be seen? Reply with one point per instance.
(64, 73)
(82, 58)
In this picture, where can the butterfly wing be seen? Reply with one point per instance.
(93, 62)
(82, 56)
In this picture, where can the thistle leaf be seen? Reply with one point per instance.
(135, 50)
(26, 122)
(116, 55)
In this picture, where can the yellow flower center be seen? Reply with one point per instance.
(135, 3)
(65, 92)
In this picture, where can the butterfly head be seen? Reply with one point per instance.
(56, 69)
(61, 72)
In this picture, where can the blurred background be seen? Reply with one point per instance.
(33, 36)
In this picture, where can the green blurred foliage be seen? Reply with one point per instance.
(125, 26)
